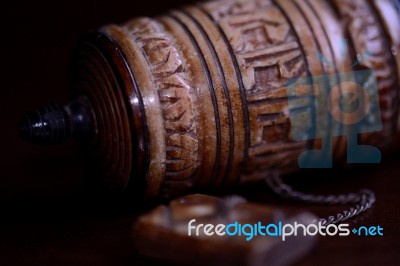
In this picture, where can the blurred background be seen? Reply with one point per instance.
(48, 213)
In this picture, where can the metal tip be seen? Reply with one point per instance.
(45, 125)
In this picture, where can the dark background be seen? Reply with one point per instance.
(37, 41)
(49, 215)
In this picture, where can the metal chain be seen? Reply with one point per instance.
(363, 200)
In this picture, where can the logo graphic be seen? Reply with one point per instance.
(340, 104)
(278, 229)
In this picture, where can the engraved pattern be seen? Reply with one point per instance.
(176, 98)
(207, 88)
(268, 54)
(368, 38)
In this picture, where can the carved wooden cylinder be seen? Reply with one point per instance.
(196, 99)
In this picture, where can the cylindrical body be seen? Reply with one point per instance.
(198, 98)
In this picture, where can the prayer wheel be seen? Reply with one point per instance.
(216, 94)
